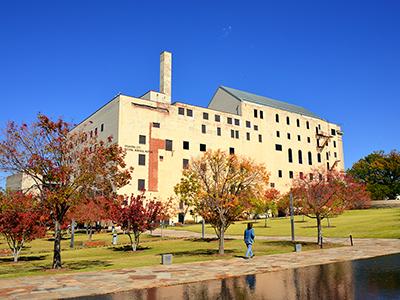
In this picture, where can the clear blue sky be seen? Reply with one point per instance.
(339, 59)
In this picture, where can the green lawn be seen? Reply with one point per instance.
(367, 223)
(36, 257)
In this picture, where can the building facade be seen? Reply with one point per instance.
(161, 136)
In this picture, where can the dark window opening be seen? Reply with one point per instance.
(333, 132)
(142, 160)
(308, 125)
(181, 111)
(278, 134)
(290, 174)
(237, 122)
(301, 175)
(185, 163)
(298, 122)
(232, 133)
(287, 120)
(261, 114)
(102, 127)
(278, 147)
(189, 112)
(327, 155)
(290, 155)
(95, 131)
(255, 113)
(260, 138)
(237, 134)
(248, 136)
(327, 165)
(205, 116)
(300, 157)
(156, 125)
(335, 154)
(311, 176)
(141, 184)
(142, 139)
(319, 157)
(309, 158)
(219, 131)
(203, 147)
(248, 124)
(168, 145)
(185, 145)
(217, 118)
(308, 140)
(256, 127)
(277, 118)
(334, 144)
(231, 150)
(288, 136)
(229, 120)
(298, 137)
(203, 129)
(280, 173)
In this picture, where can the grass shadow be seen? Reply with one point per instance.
(240, 256)
(84, 264)
(200, 252)
(23, 258)
(128, 248)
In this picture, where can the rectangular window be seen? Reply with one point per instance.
(272, 184)
(311, 176)
(237, 134)
(219, 131)
(255, 113)
(95, 131)
(290, 174)
(278, 134)
(189, 112)
(287, 120)
(142, 139)
(142, 160)
(335, 154)
(261, 114)
(141, 185)
(168, 145)
(308, 140)
(217, 118)
(203, 129)
(334, 144)
(232, 133)
(231, 150)
(156, 125)
(205, 116)
(288, 136)
(301, 175)
(278, 147)
(181, 111)
(333, 132)
(248, 124)
(229, 120)
(256, 127)
(185, 145)
(203, 147)
(260, 138)
(102, 127)
(327, 155)
(298, 122)
(248, 136)
(280, 173)
(277, 118)
(308, 125)
(298, 137)
(237, 122)
(185, 163)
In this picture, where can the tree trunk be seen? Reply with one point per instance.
(90, 232)
(329, 223)
(319, 239)
(57, 246)
(72, 241)
(133, 243)
(221, 241)
(266, 219)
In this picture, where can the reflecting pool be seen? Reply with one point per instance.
(373, 278)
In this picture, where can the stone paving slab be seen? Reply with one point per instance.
(114, 281)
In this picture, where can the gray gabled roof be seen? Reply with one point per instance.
(249, 97)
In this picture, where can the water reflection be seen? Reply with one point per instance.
(377, 278)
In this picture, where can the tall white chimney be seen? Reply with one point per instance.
(165, 73)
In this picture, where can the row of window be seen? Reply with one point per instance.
(95, 132)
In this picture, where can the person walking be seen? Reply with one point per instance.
(249, 240)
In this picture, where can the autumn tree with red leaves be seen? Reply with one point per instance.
(21, 220)
(223, 188)
(66, 166)
(136, 214)
(90, 211)
(323, 194)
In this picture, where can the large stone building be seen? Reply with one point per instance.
(161, 136)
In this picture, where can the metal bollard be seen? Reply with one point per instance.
(321, 242)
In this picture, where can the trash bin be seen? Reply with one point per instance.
(297, 247)
(166, 259)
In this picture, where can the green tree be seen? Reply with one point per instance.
(380, 172)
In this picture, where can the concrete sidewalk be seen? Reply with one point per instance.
(114, 281)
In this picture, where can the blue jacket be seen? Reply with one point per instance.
(249, 236)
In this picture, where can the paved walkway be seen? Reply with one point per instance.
(104, 282)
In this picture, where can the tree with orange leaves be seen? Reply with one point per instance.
(267, 203)
(66, 166)
(225, 185)
(326, 193)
